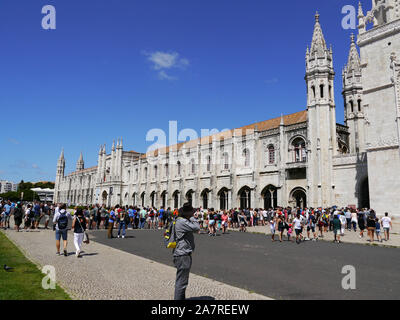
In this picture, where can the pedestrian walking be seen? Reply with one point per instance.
(371, 225)
(387, 225)
(298, 228)
(111, 221)
(79, 226)
(18, 216)
(378, 230)
(60, 222)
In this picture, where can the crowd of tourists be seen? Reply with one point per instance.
(291, 224)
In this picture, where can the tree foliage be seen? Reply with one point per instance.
(25, 188)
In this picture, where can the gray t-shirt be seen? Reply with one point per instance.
(57, 216)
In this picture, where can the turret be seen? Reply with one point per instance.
(59, 176)
(80, 165)
(321, 119)
(353, 99)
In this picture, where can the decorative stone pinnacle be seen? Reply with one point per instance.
(317, 17)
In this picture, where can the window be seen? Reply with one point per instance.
(299, 149)
(179, 168)
(166, 170)
(271, 154)
(246, 156)
(359, 105)
(193, 166)
(145, 173)
(208, 164)
(313, 90)
(155, 172)
(321, 90)
(225, 159)
(351, 106)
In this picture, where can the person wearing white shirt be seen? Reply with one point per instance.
(343, 221)
(386, 225)
(298, 227)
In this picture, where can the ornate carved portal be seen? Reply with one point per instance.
(395, 66)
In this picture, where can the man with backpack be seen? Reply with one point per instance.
(183, 230)
(60, 221)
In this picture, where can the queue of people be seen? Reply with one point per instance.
(294, 224)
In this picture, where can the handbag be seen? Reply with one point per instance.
(85, 234)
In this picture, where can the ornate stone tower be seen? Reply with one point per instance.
(353, 98)
(80, 165)
(322, 142)
(100, 169)
(379, 45)
(59, 176)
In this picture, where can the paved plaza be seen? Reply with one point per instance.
(234, 266)
(107, 273)
(349, 236)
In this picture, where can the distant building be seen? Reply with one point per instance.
(7, 186)
(45, 195)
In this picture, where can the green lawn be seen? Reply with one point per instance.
(25, 281)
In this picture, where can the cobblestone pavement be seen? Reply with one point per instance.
(349, 236)
(105, 273)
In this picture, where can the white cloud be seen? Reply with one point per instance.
(162, 75)
(162, 61)
(35, 166)
(13, 141)
(271, 81)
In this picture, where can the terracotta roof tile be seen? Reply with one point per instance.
(298, 117)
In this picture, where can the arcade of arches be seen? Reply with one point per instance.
(245, 198)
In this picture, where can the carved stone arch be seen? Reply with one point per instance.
(205, 197)
(175, 198)
(298, 197)
(223, 198)
(296, 136)
(244, 195)
(270, 197)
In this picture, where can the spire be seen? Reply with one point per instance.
(353, 63)
(282, 120)
(113, 146)
(62, 154)
(121, 143)
(80, 165)
(318, 44)
(360, 11)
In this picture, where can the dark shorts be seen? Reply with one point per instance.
(298, 231)
(61, 234)
(311, 228)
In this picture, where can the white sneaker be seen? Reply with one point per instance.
(123, 237)
(78, 253)
(117, 236)
(307, 239)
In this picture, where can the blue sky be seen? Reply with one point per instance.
(120, 68)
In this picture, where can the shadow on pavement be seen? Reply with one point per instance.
(201, 298)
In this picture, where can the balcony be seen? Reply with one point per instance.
(297, 165)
